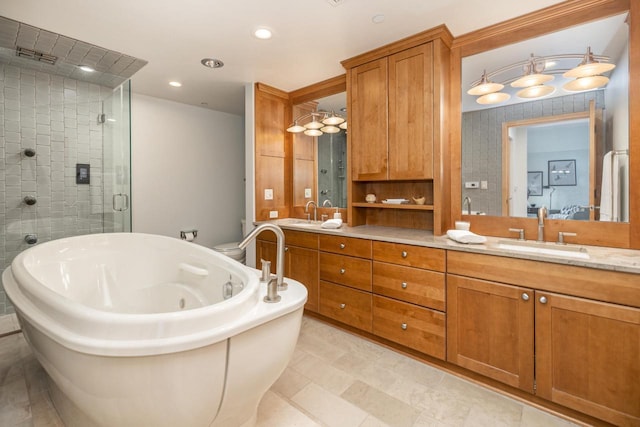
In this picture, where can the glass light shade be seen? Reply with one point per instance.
(333, 120)
(485, 88)
(330, 129)
(529, 80)
(537, 91)
(493, 98)
(312, 132)
(586, 83)
(343, 125)
(296, 128)
(589, 69)
(314, 124)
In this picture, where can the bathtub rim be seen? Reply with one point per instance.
(257, 312)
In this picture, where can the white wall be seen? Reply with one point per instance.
(187, 170)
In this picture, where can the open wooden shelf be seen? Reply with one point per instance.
(393, 206)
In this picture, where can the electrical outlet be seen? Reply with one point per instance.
(273, 214)
(307, 193)
(472, 184)
(484, 185)
(268, 193)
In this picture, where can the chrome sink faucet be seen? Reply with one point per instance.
(315, 210)
(272, 285)
(542, 214)
(467, 201)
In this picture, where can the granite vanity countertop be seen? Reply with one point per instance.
(604, 258)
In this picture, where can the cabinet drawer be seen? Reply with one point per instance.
(346, 305)
(414, 285)
(412, 256)
(346, 270)
(418, 328)
(346, 246)
(293, 238)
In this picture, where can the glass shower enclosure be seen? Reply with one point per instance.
(65, 161)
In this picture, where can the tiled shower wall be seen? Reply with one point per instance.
(57, 117)
(482, 141)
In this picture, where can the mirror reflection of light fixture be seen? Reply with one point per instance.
(537, 91)
(321, 122)
(586, 83)
(536, 74)
(493, 98)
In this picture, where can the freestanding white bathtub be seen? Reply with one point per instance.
(134, 330)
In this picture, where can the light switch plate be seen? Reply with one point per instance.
(307, 193)
(273, 214)
(268, 193)
(484, 185)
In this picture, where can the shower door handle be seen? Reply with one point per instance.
(125, 197)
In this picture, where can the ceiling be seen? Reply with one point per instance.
(310, 37)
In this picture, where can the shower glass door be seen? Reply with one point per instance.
(116, 149)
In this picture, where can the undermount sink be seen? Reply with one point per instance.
(298, 222)
(567, 251)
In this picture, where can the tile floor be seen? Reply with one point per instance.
(334, 379)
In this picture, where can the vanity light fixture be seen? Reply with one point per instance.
(537, 72)
(320, 122)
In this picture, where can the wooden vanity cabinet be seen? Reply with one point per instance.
(409, 296)
(345, 280)
(507, 323)
(397, 137)
(301, 261)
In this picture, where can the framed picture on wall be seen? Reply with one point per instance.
(562, 172)
(534, 183)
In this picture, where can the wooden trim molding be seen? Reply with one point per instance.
(440, 32)
(319, 90)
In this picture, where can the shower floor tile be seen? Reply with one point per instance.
(334, 379)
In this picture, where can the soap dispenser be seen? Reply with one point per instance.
(337, 214)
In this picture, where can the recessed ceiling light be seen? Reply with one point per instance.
(212, 63)
(86, 68)
(377, 19)
(263, 33)
(175, 84)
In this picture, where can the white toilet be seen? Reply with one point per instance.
(232, 250)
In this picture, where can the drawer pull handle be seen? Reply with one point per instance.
(525, 296)
(342, 271)
(543, 300)
(342, 246)
(404, 285)
(342, 306)
(403, 326)
(404, 254)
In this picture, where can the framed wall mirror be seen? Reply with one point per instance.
(501, 141)
(491, 163)
(320, 158)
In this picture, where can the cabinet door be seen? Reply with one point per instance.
(303, 265)
(368, 121)
(490, 329)
(588, 356)
(411, 113)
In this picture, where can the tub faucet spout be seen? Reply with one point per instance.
(272, 296)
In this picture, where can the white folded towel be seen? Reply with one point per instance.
(464, 236)
(332, 223)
